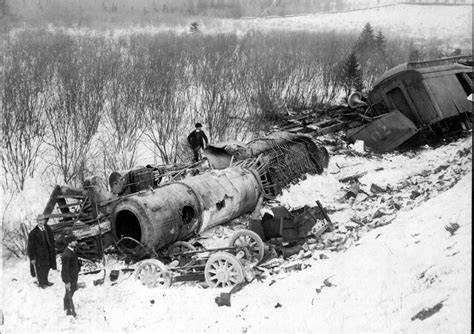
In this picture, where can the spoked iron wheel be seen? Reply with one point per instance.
(223, 270)
(250, 243)
(133, 248)
(177, 249)
(153, 273)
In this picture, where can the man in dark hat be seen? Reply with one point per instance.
(197, 140)
(69, 273)
(41, 252)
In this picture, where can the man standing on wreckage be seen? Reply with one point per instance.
(41, 252)
(197, 140)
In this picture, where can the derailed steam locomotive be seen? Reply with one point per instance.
(159, 205)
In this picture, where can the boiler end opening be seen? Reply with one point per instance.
(127, 225)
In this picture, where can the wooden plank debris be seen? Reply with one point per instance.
(352, 177)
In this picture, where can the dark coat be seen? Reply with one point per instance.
(40, 250)
(70, 266)
(197, 139)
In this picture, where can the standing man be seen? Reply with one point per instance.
(197, 140)
(69, 273)
(41, 252)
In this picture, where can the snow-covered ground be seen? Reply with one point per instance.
(449, 24)
(379, 282)
(402, 20)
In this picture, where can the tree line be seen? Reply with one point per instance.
(87, 12)
(79, 104)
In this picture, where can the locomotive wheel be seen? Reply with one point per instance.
(153, 273)
(251, 243)
(176, 249)
(223, 270)
(180, 247)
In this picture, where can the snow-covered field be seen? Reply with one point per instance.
(451, 25)
(419, 22)
(378, 283)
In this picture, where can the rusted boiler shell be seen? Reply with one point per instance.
(220, 155)
(260, 145)
(179, 210)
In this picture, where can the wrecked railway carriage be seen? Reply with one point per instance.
(159, 205)
(416, 102)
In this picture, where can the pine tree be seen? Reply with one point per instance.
(351, 75)
(366, 41)
(194, 27)
(456, 52)
(415, 53)
(380, 41)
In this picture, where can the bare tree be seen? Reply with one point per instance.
(76, 102)
(26, 73)
(289, 71)
(152, 87)
(166, 94)
(216, 73)
(124, 112)
(266, 67)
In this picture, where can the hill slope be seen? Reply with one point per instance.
(419, 22)
(409, 276)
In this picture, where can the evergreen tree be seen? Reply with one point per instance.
(456, 52)
(415, 53)
(351, 75)
(380, 41)
(366, 41)
(194, 27)
(370, 51)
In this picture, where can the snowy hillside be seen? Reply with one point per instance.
(451, 25)
(406, 273)
(419, 22)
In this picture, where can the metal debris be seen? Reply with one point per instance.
(291, 226)
(224, 298)
(428, 311)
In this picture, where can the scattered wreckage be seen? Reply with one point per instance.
(150, 212)
(152, 208)
(411, 104)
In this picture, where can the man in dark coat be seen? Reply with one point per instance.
(197, 140)
(69, 273)
(41, 252)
